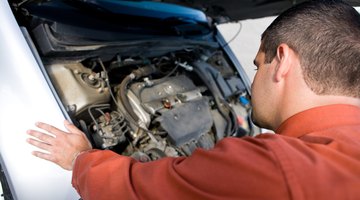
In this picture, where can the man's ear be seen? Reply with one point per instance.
(283, 58)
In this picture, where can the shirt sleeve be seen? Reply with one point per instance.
(235, 168)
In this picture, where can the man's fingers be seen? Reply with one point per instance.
(51, 129)
(41, 136)
(72, 128)
(39, 144)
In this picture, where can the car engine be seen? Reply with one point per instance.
(153, 107)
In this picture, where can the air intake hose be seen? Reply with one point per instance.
(135, 75)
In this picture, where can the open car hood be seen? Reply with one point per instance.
(224, 10)
(245, 9)
(221, 11)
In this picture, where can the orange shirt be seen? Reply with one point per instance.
(314, 155)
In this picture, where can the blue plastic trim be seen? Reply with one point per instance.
(158, 10)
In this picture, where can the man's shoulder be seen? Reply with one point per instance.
(311, 160)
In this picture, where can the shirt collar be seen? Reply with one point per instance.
(319, 118)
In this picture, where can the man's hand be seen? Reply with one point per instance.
(62, 147)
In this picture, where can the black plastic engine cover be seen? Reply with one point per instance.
(187, 122)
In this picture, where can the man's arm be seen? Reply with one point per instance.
(234, 168)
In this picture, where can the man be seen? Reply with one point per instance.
(306, 89)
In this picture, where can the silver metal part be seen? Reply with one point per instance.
(136, 105)
(78, 86)
(185, 66)
(190, 95)
(165, 93)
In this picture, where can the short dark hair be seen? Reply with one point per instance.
(326, 36)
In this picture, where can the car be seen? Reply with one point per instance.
(146, 79)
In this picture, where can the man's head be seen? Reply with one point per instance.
(325, 38)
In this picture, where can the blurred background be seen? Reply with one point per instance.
(244, 39)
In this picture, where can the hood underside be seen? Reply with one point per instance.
(244, 9)
(221, 11)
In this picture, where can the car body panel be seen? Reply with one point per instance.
(22, 75)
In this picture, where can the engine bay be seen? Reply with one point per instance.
(153, 107)
(142, 87)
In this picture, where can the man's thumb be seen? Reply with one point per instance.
(72, 128)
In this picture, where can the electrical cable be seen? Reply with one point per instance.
(234, 37)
